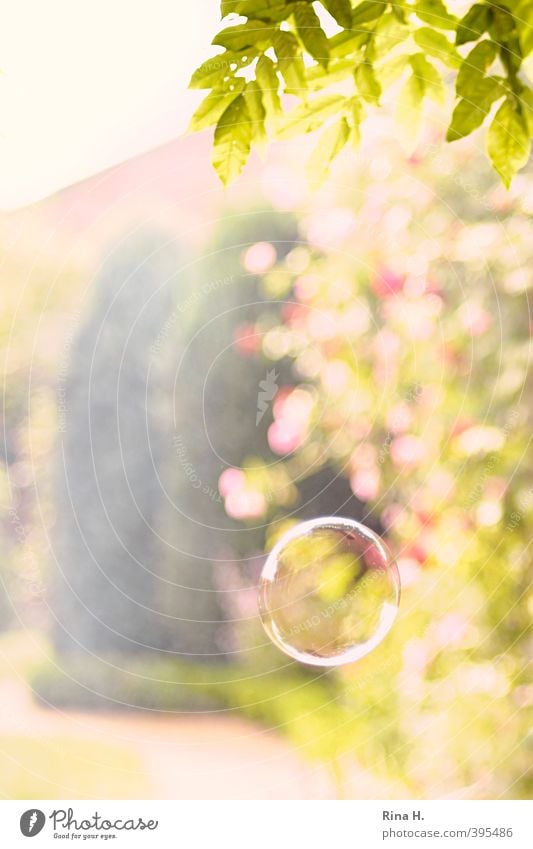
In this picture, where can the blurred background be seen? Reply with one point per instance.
(189, 371)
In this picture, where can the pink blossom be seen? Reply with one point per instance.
(306, 287)
(387, 283)
(475, 319)
(386, 344)
(407, 451)
(335, 376)
(246, 339)
(416, 656)
(365, 484)
(322, 325)
(355, 320)
(399, 418)
(284, 436)
(259, 258)
(392, 515)
(231, 481)
(245, 504)
(450, 630)
(330, 228)
(278, 406)
(409, 570)
(363, 457)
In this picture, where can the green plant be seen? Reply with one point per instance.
(281, 47)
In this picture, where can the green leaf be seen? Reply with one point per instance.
(428, 76)
(474, 67)
(523, 14)
(329, 146)
(253, 96)
(508, 140)
(437, 45)
(318, 78)
(526, 102)
(340, 10)
(465, 119)
(388, 32)
(347, 43)
(274, 11)
(290, 62)
(424, 80)
(474, 24)
(409, 106)
(246, 35)
(368, 85)
(502, 23)
(215, 104)
(434, 12)
(267, 78)
(233, 136)
(213, 72)
(310, 116)
(468, 115)
(399, 13)
(227, 7)
(357, 112)
(367, 11)
(389, 72)
(311, 33)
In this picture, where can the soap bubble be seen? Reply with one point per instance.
(329, 592)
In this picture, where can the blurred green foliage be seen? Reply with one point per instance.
(400, 314)
(36, 767)
(405, 313)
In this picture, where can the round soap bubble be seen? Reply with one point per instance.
(329, 592)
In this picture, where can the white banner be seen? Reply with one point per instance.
(267, 825)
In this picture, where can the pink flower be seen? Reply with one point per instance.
(409, 570)
(407, 451)
(335, 376)
(330, 228)
(475, 319)
(231, 481)
(259, 258)
(284, 436)
(399, 418)
(416, 657)
(363, 457)
(365, 484)
(387, 283)
(247, 339)
(450, 630)
(306, 287)
(245, 504)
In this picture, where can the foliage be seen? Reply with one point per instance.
(42, 767)
(404, 312)
(281, 47)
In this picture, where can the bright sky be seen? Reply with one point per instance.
(86, 84)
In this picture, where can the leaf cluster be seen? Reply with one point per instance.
(272, 48)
